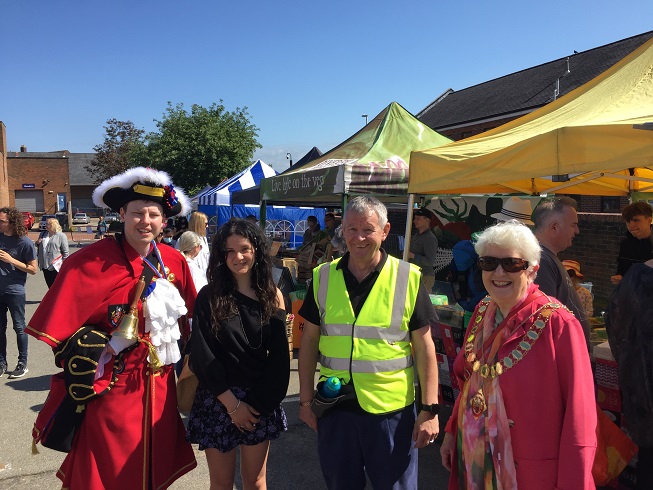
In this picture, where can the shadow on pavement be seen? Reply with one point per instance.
(34, 383)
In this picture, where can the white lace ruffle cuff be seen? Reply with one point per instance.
(162, 308)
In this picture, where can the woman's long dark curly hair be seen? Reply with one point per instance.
(16, 222)
(222, 285)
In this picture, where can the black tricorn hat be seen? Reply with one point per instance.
(142, 183)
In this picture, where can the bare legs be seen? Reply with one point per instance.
(253, 461)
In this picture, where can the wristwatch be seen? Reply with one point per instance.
(432, 409)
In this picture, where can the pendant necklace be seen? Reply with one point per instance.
(242, 328)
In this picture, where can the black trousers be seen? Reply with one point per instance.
(645, 468)
(50, 276)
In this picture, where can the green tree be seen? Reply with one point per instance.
(123, 147)
(202, 147)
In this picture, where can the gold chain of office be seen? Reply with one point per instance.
(543, 314)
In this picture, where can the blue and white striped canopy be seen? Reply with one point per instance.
(250, 177)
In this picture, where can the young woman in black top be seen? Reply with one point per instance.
(239, 351)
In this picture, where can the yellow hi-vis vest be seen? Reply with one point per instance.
(375, 347)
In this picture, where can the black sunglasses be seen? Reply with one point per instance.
(509, 264)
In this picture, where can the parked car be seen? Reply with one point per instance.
(81, 219)
(28, 219)
(44, 218)
(112, 218)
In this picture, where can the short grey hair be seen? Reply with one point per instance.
(367, 204)
(511, 235)
(188, 241)
(549, 208)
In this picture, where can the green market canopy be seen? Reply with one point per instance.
(371, 162)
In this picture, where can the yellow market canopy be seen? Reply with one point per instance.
(587, 135)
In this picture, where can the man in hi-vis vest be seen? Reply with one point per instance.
(368, 319)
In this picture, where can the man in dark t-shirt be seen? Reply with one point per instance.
(17, 259)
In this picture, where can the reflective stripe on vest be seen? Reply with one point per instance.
(392, 334)
(359, 366)
(372, 347)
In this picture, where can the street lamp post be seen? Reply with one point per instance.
(365, 116)
(289, 157)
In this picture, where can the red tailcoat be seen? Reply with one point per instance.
(132, 437)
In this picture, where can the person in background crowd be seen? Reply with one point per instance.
(368, 320)
(424, 246)
(499, 435)
(556, 225)
(517, 209)
(199, 224)
(464, 272)
(168, 237)
(52, 250)
(573, 269)
(638, 245)
(330, 224)
(190, 245)
(239, 352)
(17, 259)
(338, 243)
(132, 436)
(629, 324)
(101, 227)
(312, 227)
(181, 225)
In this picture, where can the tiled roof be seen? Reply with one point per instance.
(78, 174)
(76, 163)
(37, 154)
(525, 90)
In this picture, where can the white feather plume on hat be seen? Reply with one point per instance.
(128, 186)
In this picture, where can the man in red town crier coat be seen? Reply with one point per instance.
(132, 436)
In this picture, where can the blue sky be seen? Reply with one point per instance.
(306, 70)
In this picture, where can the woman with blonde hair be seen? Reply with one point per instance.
(52, 250)
(199, 223)
(190, 245)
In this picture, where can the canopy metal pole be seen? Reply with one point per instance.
(263, 217)
(409, 213)
(343, 203)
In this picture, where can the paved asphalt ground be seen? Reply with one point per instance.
(293, 462)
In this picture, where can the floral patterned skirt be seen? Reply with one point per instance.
(211, 427)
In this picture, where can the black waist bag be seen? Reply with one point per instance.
(322, 405)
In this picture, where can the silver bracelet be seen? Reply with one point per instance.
(234, 410)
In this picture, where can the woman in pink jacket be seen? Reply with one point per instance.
(526, 414)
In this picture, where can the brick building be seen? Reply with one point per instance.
(45, 182)
(38, 182)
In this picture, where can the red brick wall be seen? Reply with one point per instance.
(596, 249)
(26, 170)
